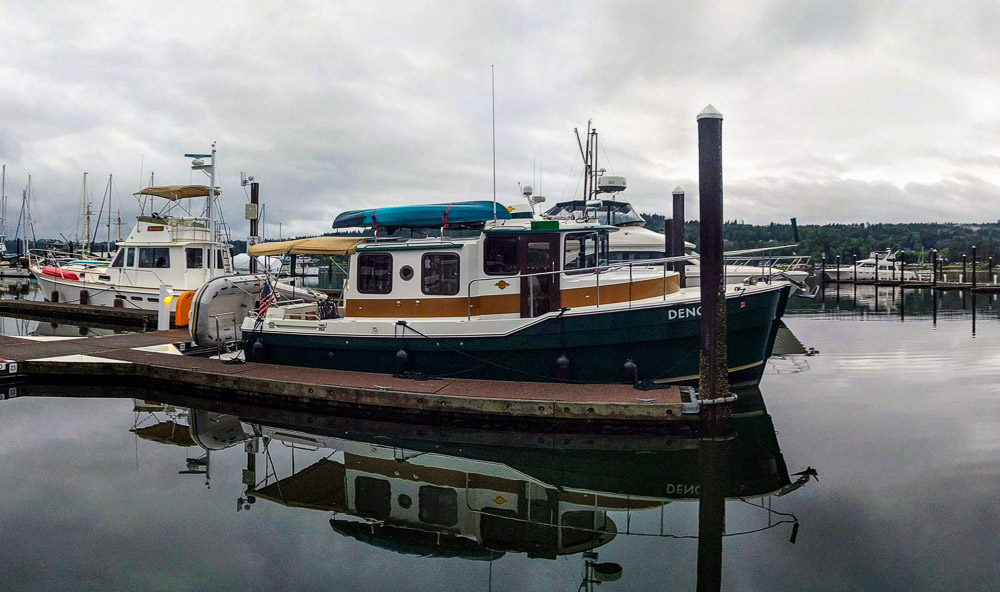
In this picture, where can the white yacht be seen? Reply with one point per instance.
(172, 247)
(882, 265)
(635, 242)
(183, 252)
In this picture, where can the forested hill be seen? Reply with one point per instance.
(846, 240)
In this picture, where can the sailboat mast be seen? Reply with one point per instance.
(211, 211)
(29, 224)
(586, 166)
(593, 185)
(86, 210)
(110, 176)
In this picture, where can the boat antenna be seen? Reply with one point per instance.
(493, 105)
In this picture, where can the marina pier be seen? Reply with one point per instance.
(150, 360)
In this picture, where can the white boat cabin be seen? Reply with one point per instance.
(165, 250)
(515, 268)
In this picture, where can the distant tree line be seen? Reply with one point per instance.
(848, 240)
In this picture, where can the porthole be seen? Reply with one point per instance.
(405, 501)
(406, 273)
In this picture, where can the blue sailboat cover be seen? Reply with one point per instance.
(424, 216)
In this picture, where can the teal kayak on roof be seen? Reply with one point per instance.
(459, 213)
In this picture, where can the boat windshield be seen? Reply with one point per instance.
(610, 212)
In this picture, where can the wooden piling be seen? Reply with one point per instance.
(713, 466)
(838, 278)
(973, 267)
(678, 232)
(714, 364)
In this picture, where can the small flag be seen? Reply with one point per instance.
(267, 298)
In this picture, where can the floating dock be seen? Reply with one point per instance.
(149, 360)
(38, 310)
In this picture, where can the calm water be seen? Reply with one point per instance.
(898, 413)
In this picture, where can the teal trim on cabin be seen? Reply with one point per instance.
(371, 247)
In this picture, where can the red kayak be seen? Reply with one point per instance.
(59, 273)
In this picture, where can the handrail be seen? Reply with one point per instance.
(218, 330)
(57, 259)
(597, 270)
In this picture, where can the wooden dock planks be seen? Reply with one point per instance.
(359, 391)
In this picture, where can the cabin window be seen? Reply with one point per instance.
(158, 257)
(119, 258)
(130, 258)
(375, 273)
(438, 505)
(439, 274)
(581, 250)
(637, 255)
(372, 497)
(218, 260)
(194, 257)
(500, 255)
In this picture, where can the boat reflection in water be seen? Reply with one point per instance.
(478, 495)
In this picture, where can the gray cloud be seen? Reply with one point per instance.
(347, 105)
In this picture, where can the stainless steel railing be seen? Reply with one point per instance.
(596, 271)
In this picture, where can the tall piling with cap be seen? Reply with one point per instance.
(714, 382)
(678, 233)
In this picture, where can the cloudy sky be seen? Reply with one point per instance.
(834, 111)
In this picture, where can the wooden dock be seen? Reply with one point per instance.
(38, 310)
(119, 359)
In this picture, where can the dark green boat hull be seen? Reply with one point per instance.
(663, 342)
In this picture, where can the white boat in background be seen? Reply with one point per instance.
(172, 247)
(634, 242)
(880, 265)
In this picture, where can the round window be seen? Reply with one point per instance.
(405, 501)
(406, 273)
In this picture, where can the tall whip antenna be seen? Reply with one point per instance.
(493, 100)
